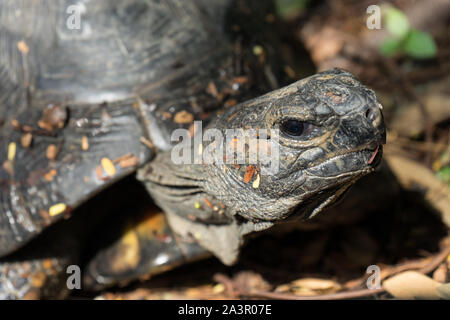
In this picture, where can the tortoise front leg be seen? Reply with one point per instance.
(146, 247)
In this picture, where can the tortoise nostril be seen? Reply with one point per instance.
(373, 115)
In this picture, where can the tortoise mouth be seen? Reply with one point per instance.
(355, 164)
(376, 156)
(347, 164)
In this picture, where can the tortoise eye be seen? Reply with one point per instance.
(292, 127)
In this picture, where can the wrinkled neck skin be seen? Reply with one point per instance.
(217, 204)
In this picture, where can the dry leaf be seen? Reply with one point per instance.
(412, 285)
(249, 172)
(440, 274)
(444, 291)
(311, 286)
(436, 104)
(411, 173)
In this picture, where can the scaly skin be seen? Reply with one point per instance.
(315, 168)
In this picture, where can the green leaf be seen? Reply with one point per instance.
(390, 46)
(288, 9)
(420, 45)
(396, 22)
(444, 174)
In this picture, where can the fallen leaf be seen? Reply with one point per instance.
(219, 288)
(440, 274)
(410, 173)
(310, 286)
(249, 172)
(412, 285)
(444, 291)
(436, 104)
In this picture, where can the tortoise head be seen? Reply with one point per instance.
(323, 132)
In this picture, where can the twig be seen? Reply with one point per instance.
(437, 260)
(332, 296)
(421, 266)
(227, 282)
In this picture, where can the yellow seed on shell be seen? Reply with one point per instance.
(84, 143)
(108, 166)
(255, 183)
(23, 47)
(11, 151)
(51, 152)
(56, 209)
(26, 139)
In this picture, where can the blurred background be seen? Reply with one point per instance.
(397, 218)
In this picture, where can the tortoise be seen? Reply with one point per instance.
(83, 106)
